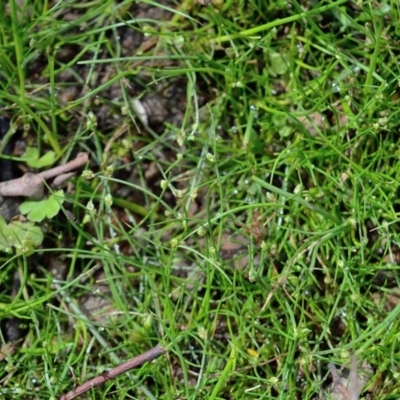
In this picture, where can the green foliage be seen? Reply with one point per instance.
(37, 211)
(278, 63)
(33, 159)
(22, 235)
(252, 227)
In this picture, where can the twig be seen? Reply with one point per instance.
(80, 160)
(354, 392)
(32, 185)
(120, 369)
(337, 383)
(60, 179)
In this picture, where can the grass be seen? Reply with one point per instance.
(246, 219)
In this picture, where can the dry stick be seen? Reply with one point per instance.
(337, 382)
(149, 355)
(60, 179)
(32, 185)
(80, 160)
(354, 391)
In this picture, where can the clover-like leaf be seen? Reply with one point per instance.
(31, 157)
(39, 210)
(278, 63)
(21, 234)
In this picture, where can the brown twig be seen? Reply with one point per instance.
(337, 383)
(79, 161)
(60, 179)
(32, 185)
(354, 392)
(120, 369)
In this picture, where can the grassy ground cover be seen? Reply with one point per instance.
(243, 205)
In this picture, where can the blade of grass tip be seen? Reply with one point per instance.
(291, 196)
(249, 127)
(230, 366)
